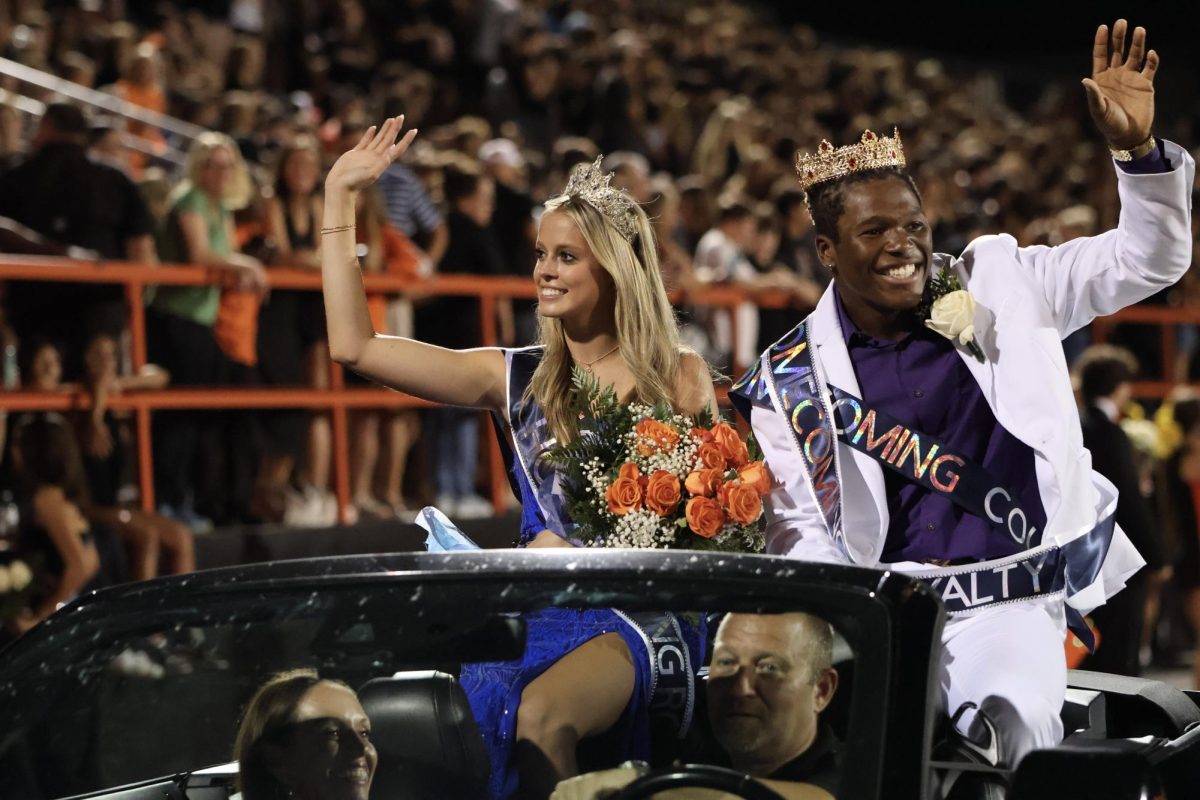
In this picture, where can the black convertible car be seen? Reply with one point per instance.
(135, 692)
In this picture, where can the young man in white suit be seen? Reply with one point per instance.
(916, 427)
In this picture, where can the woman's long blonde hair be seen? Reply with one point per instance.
(646, 329)
(240, 187)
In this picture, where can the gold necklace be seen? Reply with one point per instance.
(588, 364)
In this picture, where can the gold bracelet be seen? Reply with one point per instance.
(337, 228)
(1143, 149)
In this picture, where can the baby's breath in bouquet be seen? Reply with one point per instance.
(19, 579)
(645, 477)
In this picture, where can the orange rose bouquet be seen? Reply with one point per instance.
(643, 476)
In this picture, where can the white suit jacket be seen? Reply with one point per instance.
(1028, 299)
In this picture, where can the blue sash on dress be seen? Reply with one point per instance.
(671, 669)
(667, 649)
(530, 440)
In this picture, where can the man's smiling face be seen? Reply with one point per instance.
(884, 249)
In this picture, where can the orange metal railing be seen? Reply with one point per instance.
(1168, 321)
(338, 399)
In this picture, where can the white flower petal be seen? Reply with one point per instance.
(952, 315)
(20, 575)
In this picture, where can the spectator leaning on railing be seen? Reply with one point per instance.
(179, 319)
(62, 195)
(291, 338)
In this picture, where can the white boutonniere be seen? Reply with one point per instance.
(950, 311)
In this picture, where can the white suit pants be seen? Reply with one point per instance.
(1009, 661)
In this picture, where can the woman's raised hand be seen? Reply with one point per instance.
(362, 165)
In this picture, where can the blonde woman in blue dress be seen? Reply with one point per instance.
(602, 307)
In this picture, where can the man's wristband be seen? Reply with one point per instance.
(1137, 152)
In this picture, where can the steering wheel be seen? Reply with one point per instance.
(701, 776)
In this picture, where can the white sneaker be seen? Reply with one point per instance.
(474, 507)
(309, 508)
(447, 504)
(137, 664)
(329, 508)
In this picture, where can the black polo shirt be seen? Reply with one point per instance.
(819, 765)
(454, 321)
(62, 194)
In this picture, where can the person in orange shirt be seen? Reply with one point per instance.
(141, 85)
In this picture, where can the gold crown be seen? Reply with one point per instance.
(872, 152)
(592, 184)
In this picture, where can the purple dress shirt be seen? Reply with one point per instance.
(1153, 162)
(922, 381)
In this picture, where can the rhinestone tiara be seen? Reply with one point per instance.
(593, 185)
(872, 152)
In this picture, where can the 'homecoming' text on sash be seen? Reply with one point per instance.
(788, 377)
(927, 461)
(788, 372)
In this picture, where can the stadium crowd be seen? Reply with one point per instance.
(699, 108)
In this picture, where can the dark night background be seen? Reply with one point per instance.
(1029, 42)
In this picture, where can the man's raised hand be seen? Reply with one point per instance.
(1120, 92)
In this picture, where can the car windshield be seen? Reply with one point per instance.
(167, 698)
(152, 683)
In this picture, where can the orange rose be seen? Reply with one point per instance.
(702, 434)
(703, 482)
(662, 493)
(654, 435)
(743, 502)
(625, 493)
(704, 516)
(730, 444)
(755, 474)
(710, 456)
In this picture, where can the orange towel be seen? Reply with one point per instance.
(236, 328)
(399, 258)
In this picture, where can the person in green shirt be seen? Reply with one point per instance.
(199, 229)
(179, 319)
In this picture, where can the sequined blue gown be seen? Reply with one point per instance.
(494, 689)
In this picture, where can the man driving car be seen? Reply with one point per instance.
(770, 678)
